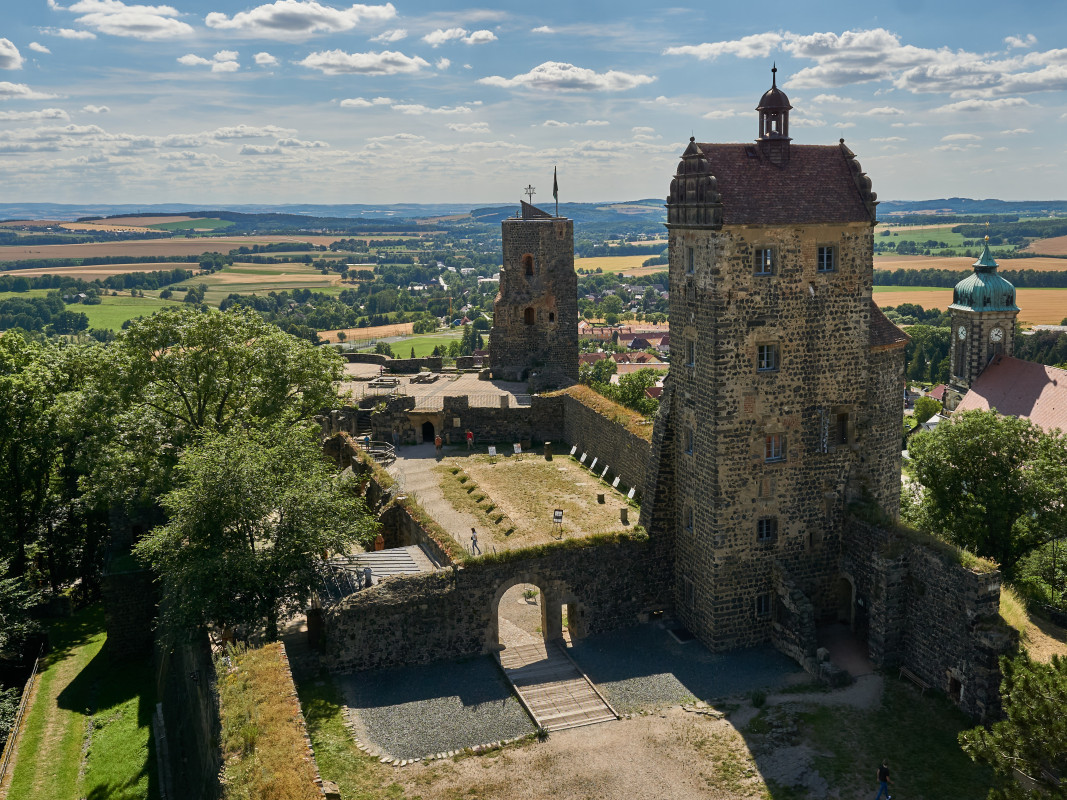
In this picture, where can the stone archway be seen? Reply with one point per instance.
(845, 601)
(427, 431)
(549, 607)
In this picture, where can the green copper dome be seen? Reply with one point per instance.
(984, 290)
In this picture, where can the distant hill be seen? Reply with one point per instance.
(887, 209)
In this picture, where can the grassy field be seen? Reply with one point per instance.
(424, 344)
(1036, 306)
(920, 234)
(260, 279)
(87, 734)
(965, 264)
(612, 263)
(197, 224)
(91, 273)
(113, 311)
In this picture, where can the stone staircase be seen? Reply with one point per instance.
(553, 689)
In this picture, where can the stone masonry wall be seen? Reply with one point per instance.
(929, 613)
(880, 445)
(453, 613)
(626, 453)
(129, 612)
(399, 365)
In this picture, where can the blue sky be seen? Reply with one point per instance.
(213, 101)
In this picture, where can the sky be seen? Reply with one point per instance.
(311, 101)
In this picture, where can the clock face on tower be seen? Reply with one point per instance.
(996, 335)
(962, 333)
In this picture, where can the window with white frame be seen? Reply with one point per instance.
(766, 530)
(767, 357)
(763, 261)
(774, 447)
(825, 258)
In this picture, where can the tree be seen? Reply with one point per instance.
(1028, 749)
(383, 349)
(413, 351)
(597, 372)
(925, 408)
(991, 484)
(251, 517)
(341, 336)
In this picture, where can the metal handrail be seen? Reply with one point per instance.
(9, 746)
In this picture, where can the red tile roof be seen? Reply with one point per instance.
(591, 358)
(884, 335)
(938, 393)
(815, 186)
(1020, 388)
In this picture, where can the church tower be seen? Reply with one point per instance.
(983, 313)
(782, 403)
(535, 315)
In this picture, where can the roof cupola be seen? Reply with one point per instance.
(773, 111)
(984, 289)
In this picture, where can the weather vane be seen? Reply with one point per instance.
(529, 191)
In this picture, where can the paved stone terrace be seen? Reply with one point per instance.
(458, 384)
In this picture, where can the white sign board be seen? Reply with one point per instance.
(593, 465)
(605, 472)
(615, 483)
(574, 450)
(630, 494)
(557, 516)
(518, 449)
(455, 422)
(582, 459)
(492, 450)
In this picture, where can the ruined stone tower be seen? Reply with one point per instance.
(983, 325)
(535, 316)
(783, 401)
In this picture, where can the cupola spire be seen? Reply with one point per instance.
(773, 111)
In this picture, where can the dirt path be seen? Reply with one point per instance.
(1045, 639)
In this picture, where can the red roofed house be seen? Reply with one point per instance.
(1020, 388)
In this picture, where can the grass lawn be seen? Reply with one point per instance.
(359, 776)
(113, 311)
(423, 343)
(941, 233)
(87, 734)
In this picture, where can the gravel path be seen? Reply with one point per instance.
(417, 711)
(644, 667)
(414, 469)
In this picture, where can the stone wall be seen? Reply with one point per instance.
(452, 613)
(401, 529)
(129, 612)
(922, 609)
(609, 442)
(399, 365)
(881, 443)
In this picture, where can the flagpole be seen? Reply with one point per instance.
(555, 189)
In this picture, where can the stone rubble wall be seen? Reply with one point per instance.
(452, 613)
(929, 613)
(129, 610)
(402, 366)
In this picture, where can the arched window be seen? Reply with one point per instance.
(528, 316)
(551, 316)
(527, 264)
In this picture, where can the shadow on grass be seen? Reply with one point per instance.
(66, 634)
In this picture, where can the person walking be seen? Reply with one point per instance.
(438, 443)
(474, 543)
(396, 437)
(883, 781)
(470, 440)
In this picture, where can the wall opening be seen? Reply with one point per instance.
(520, 615)
(528, 316)
(427, 431)
(845, 605)
(527, 264)
(955, 690)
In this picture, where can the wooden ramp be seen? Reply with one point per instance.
(557, 694)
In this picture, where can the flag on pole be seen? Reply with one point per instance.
(555, 190)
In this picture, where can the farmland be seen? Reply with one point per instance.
(1037, 306)
(1056, 246)
(612, 263)
(89, 273)
(178, 246)
(963, 263)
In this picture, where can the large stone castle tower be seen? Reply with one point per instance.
(535, 315)
(783, 401)
(983, 313)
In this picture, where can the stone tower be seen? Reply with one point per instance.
(783, 401)
(535, 315)
(983, 313)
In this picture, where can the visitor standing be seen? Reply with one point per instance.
(396, 437)
(883, 782)
(438, 442)
(470, 440)
(474, 542)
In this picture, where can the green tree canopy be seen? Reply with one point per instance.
(925, 408)
(1028, 749)
(251, 518)
(994, 485)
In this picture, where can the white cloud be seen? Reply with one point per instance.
(91, 109)
(10, 57)
(414, 109)
(721, 113)
(542, 29)
(359, 102)
(844, 125)
(265, 60)
(878, 111)
(20, 91)
(243, 131)
(442, 63)
(979, 104)
(560, 76)
(298, 19)
(259, 150)
(961, 137)
(1016, 132)
(758, 45)
(954, 148)
(387, 62)
(589, 123)
(390, 36)
(115, 18)
(469, 127)
(889, 139)
(44, 113)
(39, 48)
(440, 36)
(301, 144)
(831, 98)
(1024, 42)
(222, 61)
(68, 33)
